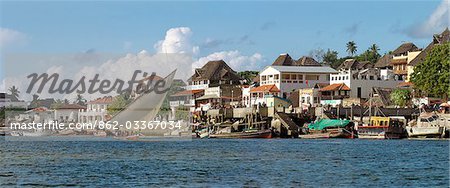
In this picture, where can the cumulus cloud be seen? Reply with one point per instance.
(177, 40)
(10, 37)
(234, 59)
(435, 23)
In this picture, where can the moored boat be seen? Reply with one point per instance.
(427, 125)
(244, 134)
(329, 128)
(382, 128)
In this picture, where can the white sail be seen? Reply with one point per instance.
(144, 108)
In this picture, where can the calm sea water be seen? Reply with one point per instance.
(226, 163)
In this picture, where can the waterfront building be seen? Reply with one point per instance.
(258, 95)
(362, 81)
(213, 74)
(309, 97)
(288, 75)
(185, 98)
(96, 110)
(401, 57)
(334, 94)
(219, 97)
(212, 85)
(68, 112)
(290, 78)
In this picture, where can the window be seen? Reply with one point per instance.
(300, 77)
(371, 77)
(285, 77)
(294, 77)
(277, 76)
(312, 77)
(263, 78)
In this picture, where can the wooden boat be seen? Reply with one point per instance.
(244, 134)
(382, 128)
(329, 128)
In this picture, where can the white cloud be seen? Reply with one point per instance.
(234, 59)
(436, 23)
(9, 37)
(177, 40)
(177, 43)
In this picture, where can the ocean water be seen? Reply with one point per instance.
(226, 163)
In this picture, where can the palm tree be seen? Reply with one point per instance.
(14, 91)
(374, 49)
(351, 48)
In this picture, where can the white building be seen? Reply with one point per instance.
(96, 110)
(68, 112)
(290, 78)
(361, 82)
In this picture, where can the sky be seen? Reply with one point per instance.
(248, 35)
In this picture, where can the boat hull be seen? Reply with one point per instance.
(427, 132)
(259, 134)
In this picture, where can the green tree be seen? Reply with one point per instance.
(330, 57)
(14, 91)
(374, 49)
(248, 75)
(401, 97)
(432, 76)
(118, 104)
(351, 48)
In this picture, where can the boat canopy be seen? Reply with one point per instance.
(328, 123)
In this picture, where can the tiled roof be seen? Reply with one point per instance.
(336, 87)
(265, 88)
(71, 106)
(187, 92)
(405, 84)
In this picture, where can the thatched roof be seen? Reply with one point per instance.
(353, 64)
(307, 61)
(444, 37)
(214, 71)
(404, 48)
(384, 61)
(286, 60)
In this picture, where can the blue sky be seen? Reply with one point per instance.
(266, 28)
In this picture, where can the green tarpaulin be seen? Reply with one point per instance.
(326, 123)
